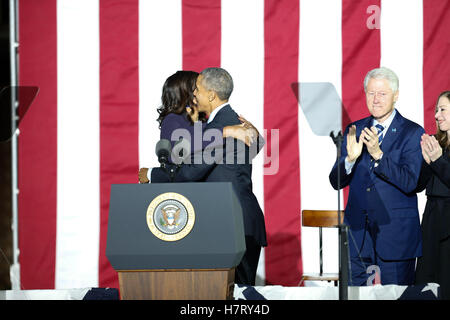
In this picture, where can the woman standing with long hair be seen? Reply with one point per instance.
(434, 265)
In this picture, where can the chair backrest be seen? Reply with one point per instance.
(321, 218)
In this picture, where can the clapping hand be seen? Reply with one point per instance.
(431, 150)
(354, 148)
(370, 139)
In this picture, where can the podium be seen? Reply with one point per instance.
(175, 241)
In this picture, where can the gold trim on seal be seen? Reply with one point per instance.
(170, 196)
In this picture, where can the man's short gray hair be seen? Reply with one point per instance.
(219, 81)
(382, 73)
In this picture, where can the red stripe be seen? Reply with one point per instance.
(360, 53)
(37, 162)
(201, 34)
(119, 110)
(436, 56)
(282, 190)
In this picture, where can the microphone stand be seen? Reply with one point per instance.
(343, 229)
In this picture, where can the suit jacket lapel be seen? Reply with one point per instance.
(393, 132)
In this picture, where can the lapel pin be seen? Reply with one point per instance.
(394, 129)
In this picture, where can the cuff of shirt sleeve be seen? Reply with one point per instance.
(348, 166)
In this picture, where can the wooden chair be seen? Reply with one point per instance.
(320, 219)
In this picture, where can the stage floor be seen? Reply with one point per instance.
(377, 292)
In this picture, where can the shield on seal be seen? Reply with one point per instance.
(170, 216)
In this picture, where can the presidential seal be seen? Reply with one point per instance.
(170, 216)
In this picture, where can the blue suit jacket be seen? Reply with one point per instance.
(238, 173)
(386, 193)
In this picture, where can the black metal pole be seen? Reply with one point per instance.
(343, 229)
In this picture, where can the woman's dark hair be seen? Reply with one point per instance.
(441, 136)
(178, 92)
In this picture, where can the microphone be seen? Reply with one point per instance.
(163, 149)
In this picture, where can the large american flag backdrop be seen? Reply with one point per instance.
(100, 66)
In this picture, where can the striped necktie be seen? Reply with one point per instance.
(380, 129)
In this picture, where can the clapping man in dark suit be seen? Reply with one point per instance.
(213, 89)
(381, 161)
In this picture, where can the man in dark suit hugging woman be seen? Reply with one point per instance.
(212, 92)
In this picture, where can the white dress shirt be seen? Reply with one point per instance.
(215, 111)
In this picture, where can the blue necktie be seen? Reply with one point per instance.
(380, 129)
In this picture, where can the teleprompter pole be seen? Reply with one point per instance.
(343, 229)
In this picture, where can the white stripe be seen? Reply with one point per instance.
(160, 55)
(320, 59)
(402, 51)
(243, 56)
(77, 246)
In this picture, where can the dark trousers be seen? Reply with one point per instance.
(245, 272)
(365, 262)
